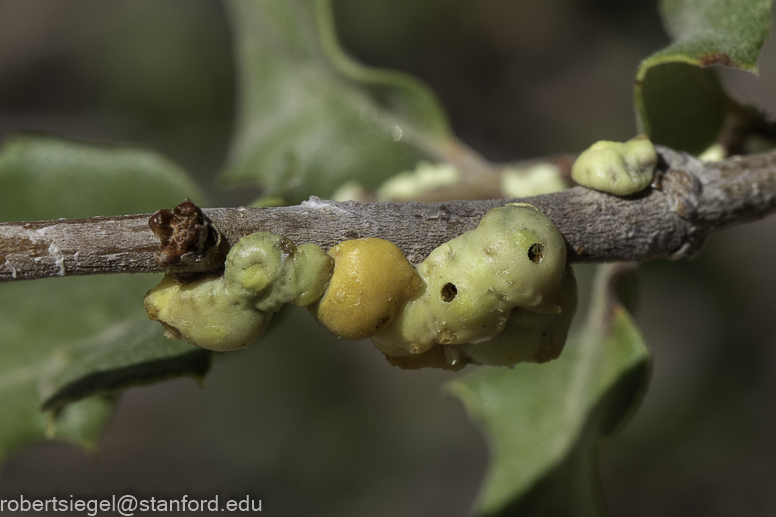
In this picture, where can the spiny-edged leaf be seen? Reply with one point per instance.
(70, 338)
(310, 118)
(679, 104)
(545, 422)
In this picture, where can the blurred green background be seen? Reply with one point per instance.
(317, 426)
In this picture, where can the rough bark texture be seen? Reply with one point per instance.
(690, 200)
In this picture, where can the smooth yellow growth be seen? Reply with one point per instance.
(617, 168)
(371, 281)
(263, 271)
(515, 259)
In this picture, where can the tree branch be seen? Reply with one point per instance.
(690, 200)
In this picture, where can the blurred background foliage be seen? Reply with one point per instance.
(314, 425)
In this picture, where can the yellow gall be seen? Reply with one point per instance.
(371, 282)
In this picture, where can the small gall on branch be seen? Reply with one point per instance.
(230, 311)
(618, 168)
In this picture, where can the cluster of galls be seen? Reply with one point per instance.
(496, 295)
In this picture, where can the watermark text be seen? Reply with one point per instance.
(128, 505)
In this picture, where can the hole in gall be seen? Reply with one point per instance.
(448, 292)
(536, 253)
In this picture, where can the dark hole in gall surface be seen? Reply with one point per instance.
(448, 292)
(536, 253)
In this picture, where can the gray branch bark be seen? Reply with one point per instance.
(690, 200)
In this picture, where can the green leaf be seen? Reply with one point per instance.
(311, 118)
(49, 178)
(545, 422)
(679, 104)
(80, 338)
